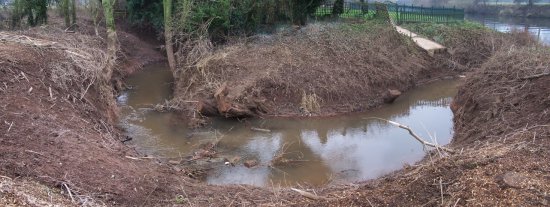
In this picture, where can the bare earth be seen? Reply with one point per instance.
(55, 149)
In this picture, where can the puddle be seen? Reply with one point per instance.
(329, 150)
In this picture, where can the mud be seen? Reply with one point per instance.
(502, 130)
(283, 151)
(318, 70)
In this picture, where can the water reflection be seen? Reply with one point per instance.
(338, 149)
(538, 27)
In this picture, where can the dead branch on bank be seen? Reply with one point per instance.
(260, 130)
(414, 135)
(308, 194)
(535, 76)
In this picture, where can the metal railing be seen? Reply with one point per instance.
(406, 14)
(399, 13)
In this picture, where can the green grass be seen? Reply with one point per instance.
(348, 13)
(442, 32)
(404, 17)
(414, 17)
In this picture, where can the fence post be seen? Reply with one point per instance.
(432, 14)
(397, 13)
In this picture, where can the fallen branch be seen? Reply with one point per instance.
(51, 94)
(69, 191)
(68, 30)
(141, 158)
(25, 76)
(10, 125)
(414, 135)
(33, 152)
(307, 194)
(6, 177)
(535, 76)
(441, 189)
(260, 130)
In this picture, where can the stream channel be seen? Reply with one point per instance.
(338, 149)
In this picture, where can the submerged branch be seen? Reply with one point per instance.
(414, 135)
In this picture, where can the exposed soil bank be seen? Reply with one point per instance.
(55, 137)
(502, 132)
(317, 70)
(538, 11)
(502, 126)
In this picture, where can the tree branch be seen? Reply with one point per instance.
(414, 135)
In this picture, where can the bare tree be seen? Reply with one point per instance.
(168, 34)
(112, 39)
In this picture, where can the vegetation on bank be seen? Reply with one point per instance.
(345, 67)
(58, 132)
(470, 43)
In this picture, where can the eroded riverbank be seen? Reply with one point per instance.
(501, 131)
(314, 151)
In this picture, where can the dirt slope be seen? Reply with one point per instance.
(318, 70)
(503, 136)
(51, 140)
(48, 140)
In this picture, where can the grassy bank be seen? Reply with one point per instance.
(470, 44)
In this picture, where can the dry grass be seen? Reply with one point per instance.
(21, 192)
(311, 103)
(80, 61)
(329, 63)
(499, 91)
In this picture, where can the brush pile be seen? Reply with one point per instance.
(319, 69)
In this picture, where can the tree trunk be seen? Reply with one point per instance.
(338, 7)
(94, 6)
(112, 39)
(168, 34)
(73, 12)
(65, 8)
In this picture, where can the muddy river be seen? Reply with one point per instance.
(316, 151)
(538, 27)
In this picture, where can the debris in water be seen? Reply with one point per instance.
(391, 95)
(260, 130)
(250, 163)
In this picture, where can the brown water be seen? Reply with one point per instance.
(331, 150)
(538, 27)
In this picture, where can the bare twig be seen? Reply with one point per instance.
(308, 194)
(51, 94)
(69, 191)
(441, 189)
(24, 76)
(260, 130)
(68, 29)
(10, 125)
(456, 203)
(414, 135)
(535, 76)
(34, 152)
(6, 177)
(370, 203)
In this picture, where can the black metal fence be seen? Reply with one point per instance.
(350, 10)
(399, 13)
(405, 14)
